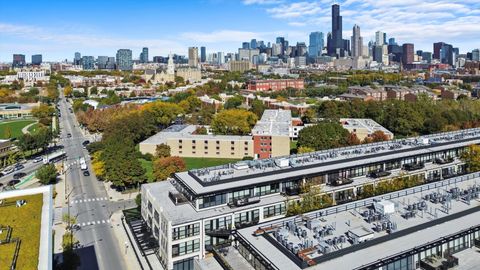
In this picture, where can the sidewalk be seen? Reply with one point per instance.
(58, 226)
(116, 196)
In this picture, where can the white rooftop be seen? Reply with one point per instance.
(274, 123)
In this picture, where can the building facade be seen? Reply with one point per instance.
(124, 60)
(275, 85)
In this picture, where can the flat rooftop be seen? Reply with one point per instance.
(274, 123)
(364, 123)
(186, 132)
(450, 206)
(244, 173)
(29, 225)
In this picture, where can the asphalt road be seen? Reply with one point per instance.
(99, 249)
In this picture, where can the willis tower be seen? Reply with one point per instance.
(336, 44)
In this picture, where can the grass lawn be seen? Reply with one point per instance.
(147, 165)
(33, 128)
(15, 128)
(26, 223)
(195, 163)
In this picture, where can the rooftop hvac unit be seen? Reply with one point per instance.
(282, 162)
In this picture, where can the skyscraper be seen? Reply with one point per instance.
(124, 59)
(36, 59)
(18, 60)
(88, 63)
(379, 38)
(476, 55)
(357, 42)
(391, 41)
(193, 56)
(220, 58)
(437, 46)
(408, 53)
(144, 55)
(245, 45)
(316, 44)
(77, 60)
(337, 47)
(203, 54)
(253, 44)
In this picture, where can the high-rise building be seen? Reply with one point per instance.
(220, 58)
(144, 55)
(437, 46)
(408, 53)
(246, 45)
(36, 59)
(77, 60)
(391, 41)
(193, 56)
(301, 49)
(124, 59)
(88, 63)
(357, 42)
(384, 38)
(316, 44)
(379, 38)
(18, 61)
(337, 44)
(253, 44)
(447, 54)
(476, 55)
(203, 54)
(105, 62)
(427, 57)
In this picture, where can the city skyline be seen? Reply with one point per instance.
(57, 39)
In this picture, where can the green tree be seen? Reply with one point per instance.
(8, 132)
(324, 135)
(162, 150)
(234, 122)
(257, 107)
(165, 167)
(47, 174)
(472, 158)
(305, 149)
(233, 102)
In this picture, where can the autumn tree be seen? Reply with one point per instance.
(234, 122)
(165, 167)
(68, 90)
(472, 158)
(352, 139)
(305, 149)
(379, 136)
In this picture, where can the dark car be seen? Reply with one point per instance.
(69, 135)
(13, 182)
(19, 175)
(86, 173)
(19, 167)
(85, 143)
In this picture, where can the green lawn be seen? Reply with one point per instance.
(26, 224)
(33, 128)
(147, 165)
(15, 128)
(195, 163)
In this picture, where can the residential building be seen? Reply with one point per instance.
(408, 54)
(32, 75)
(239, 66)
(124, 60)
(275, 84)
(37, 59)
(193, 56)
(105, 62)
(368, 93)
(18, 61)
(271, 134)
(144, 55)
(201, 208)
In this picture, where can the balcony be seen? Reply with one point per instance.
(379, 174)
(443, 160)
(244, 201)
(292, 191)
(177, 198)
(413, 166)
(340, 181)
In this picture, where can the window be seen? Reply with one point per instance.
(193, 147)
(206, 147)
(218, 142)
(186, 231)
(218, 153)
(246, 148)
(232, 142)
(212, 200)
(186, 264)
(179, 141)
(193, 141)
(233, 148)
(274, 210)
(180, 147)
(218, 147)
(246, 143)
(206, 142)
(186, 248)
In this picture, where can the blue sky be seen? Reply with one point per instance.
(58, 28)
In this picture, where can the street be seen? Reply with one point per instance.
(88, 201)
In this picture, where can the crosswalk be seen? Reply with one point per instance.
(91, 223)
(89, 200)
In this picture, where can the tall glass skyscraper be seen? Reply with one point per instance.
(316, 44)
(357, 42)
(144, 55)
(203, 54)
(124, 59)
(336, 46)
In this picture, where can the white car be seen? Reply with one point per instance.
(37, 159)
(8, 170)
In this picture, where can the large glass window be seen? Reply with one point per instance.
(268, 189)
(186, 248)
(213, 200)
(186, 231)
(274, 210)
(186, 264)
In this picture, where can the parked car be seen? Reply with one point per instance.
(86, 173)
(69, 135)
(19, 167)
(19, 175)
(8, 170)
(13, 182)
(37, 159)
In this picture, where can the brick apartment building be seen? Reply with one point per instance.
(275, 85)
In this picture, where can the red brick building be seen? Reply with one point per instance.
(275, 85)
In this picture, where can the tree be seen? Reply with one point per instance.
(162, 151)
(163, 168)
(324, 135)
(257, 107)
(163, 113)
(43, 111)
(379, 136)
(472, 158)
(233, 102)
(138, 200)
(68, 90)
(304, 149)
(352, 139)
(234, 122)
(47, 174)
(8, 132)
